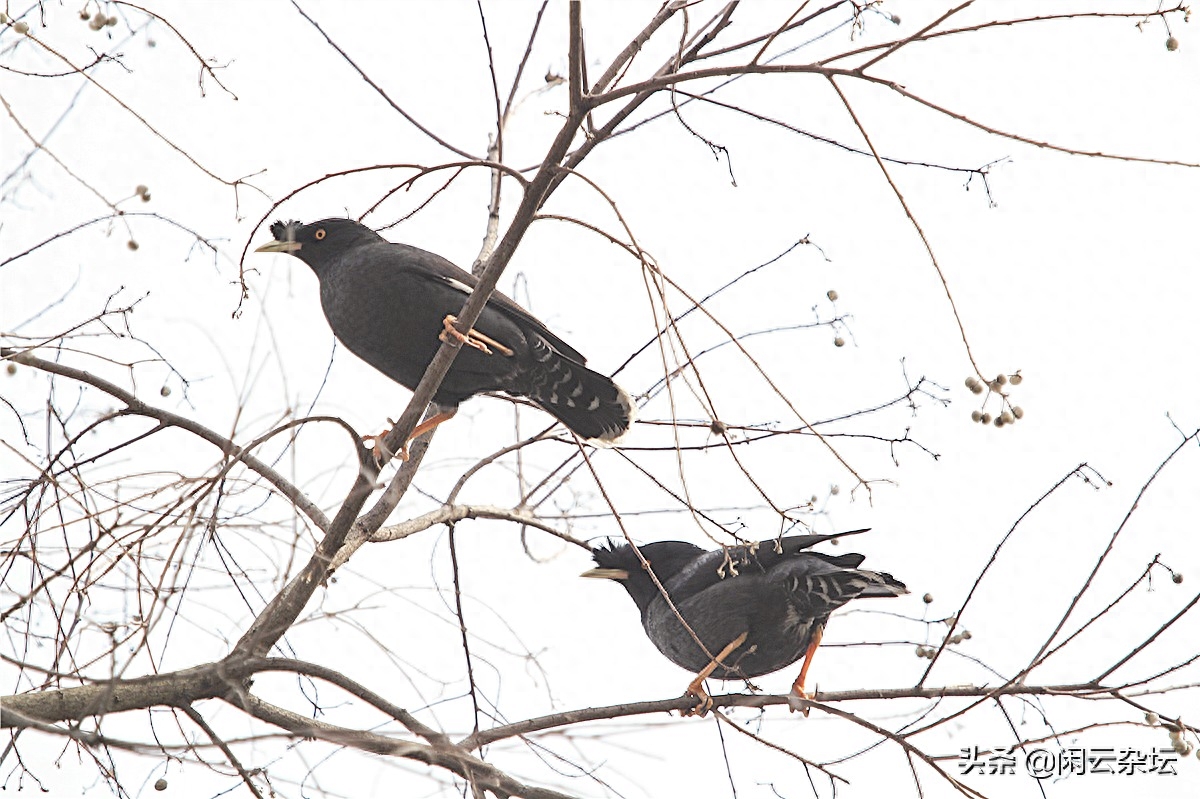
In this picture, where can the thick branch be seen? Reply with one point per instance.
(174, 688)
(451, 758)
(687, 702)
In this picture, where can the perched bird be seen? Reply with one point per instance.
(755, 608)
(390, 304)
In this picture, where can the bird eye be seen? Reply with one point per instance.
(320, 234)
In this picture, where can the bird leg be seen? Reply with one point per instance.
(427, 425)
(696, 686)
(798, 686)
(472, 338)
(380, 451)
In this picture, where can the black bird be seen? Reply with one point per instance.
(391, 303)
(756, 608)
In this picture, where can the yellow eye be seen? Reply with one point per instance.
(320, 234)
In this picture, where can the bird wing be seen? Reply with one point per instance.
(818, 584)
(717, 615)
(436, 268)
(712, 567)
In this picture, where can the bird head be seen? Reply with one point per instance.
(318, 242)
(620, 562)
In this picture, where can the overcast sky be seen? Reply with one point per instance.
(1081, 273)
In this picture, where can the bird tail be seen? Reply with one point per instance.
(591, 405)
(881, 584)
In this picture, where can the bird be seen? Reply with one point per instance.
(392, 304)
(755, 608)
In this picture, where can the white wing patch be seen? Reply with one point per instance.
(459, 285)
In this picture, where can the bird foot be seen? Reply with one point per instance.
(380, 451)
(472, 338)
(704, 702)
(800, 700)
(449, 332)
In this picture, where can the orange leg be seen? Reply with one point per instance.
(427, 425)
(696, 686)
(472, 338)
(798, 686)
(424, 427)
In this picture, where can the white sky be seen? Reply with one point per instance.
(1084, 276)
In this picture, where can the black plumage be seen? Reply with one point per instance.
(775, 596)
(387, 304)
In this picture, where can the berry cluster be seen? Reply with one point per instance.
(924, 651)
(98, 20)
(142, 192)
(838, 341)
(1175, 731)
(1009, 413)
(20, 26)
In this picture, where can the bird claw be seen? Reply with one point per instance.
(704, 703)
(801, 700)
(449, 332)
(380, 451)
(472, 338)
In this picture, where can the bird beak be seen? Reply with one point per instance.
(607, 574)
(279, 246)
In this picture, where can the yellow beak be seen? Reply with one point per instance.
(607, 574)
(279, 246)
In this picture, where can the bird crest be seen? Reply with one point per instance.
(284, 231)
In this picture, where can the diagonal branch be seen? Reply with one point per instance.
(200, 722)
(137, 407)
(962, 331)
(379, 90)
